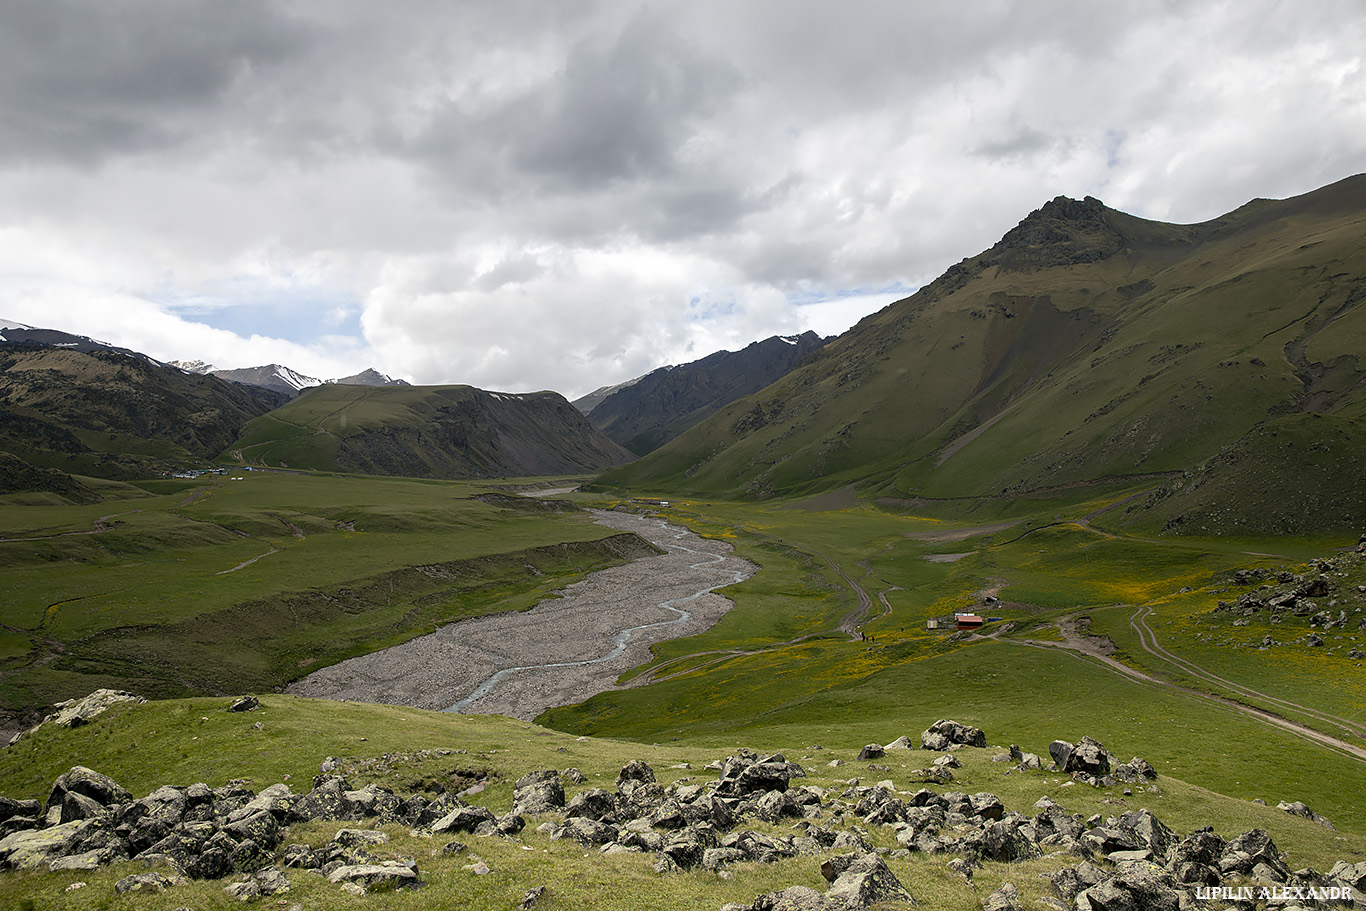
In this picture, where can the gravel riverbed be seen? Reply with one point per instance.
(540, 650)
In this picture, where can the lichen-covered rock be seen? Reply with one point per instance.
(464, 819)
(377, 877)
(145, 883)
(538, 792)
(101, 789)
(35, 849)
(635, 770)
(1006, 898)
(1137, 887)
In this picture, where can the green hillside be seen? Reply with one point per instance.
(451, 432)
(112, 415)
(1086, 347)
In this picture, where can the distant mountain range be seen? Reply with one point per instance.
(72, 407)
(645, 413)
(282, 379)
(1218, 365)
(16, 333)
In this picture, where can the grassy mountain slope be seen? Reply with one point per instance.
(114, 415)
(450, 432)
(659, 406)
(1087, 345)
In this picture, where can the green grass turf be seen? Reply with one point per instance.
(181, 741)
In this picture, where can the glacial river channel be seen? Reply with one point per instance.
(566, 648)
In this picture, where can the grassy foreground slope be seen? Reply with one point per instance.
(407, 750)
(1087, 347)
(248, 581)
(452, 432)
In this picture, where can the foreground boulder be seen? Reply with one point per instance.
(377, 877)
(944, 734)
(1087, 757)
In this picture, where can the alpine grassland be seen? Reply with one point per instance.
(1133, 448)
(1216, 363)
(246, 580)
(413, 751)
(778, 666)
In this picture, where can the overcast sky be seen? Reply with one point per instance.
(533, 194)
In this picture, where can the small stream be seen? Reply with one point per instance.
(623, 638)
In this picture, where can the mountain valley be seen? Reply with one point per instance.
(1130, 452)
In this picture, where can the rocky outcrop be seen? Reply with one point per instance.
(75, 712)
(1129, 861)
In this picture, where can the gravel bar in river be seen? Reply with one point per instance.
(565, 649)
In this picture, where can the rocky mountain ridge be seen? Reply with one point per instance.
(104, 413)
(280, 378)
(1218, 362)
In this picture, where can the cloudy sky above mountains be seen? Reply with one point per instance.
(531, 194)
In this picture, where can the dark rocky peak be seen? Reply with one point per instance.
(1063, 232)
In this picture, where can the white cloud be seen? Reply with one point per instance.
(536, 194)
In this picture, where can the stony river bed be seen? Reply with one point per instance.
(565, 649)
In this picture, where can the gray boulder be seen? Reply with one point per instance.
(793, 898)
(594, 803)
(1137, 887)
(943, 734)
(35, 849)
(1087, 756)
(1006, 898)
(464, 819)
(76, 712)
(635, 770)
(867, 880)
(1298, 808)
(101, 789)
(538, 792)
(145, 883)
(374, 877)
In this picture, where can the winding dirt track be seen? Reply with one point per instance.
(1090, 648)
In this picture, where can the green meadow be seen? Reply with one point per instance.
(245, 581)
(777, 666)
(192, 591)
